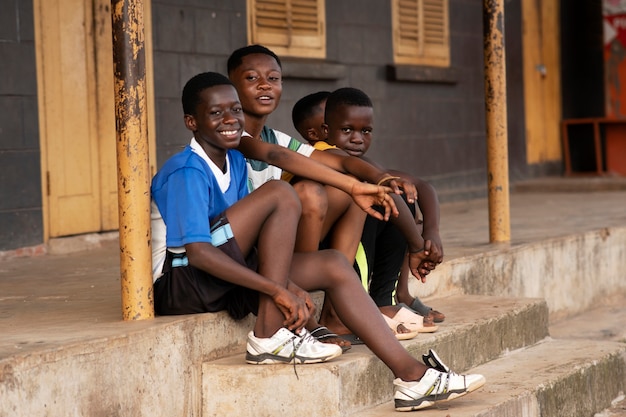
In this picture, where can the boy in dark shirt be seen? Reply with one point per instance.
(349, 127)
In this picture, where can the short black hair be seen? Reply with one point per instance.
(306, 106)
(235, 59)
(346, 96)
(193, 88)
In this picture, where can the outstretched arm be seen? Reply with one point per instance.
(365, 195)
(364, 170)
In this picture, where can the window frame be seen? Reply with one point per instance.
(414, 23)
(264, 27)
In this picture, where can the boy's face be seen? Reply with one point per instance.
(350, 128)
(218, 120)
(259, 83)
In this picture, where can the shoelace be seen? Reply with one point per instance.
(306, 338)
(294, 349)
(432, 361)
(446, 387)
(436, 387)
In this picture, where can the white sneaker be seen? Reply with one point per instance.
(286, 347)
(434, 387)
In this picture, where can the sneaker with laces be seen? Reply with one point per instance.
(434, 387)
(287, 347)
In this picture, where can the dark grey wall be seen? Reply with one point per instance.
(190, 36)
(21, 221)
(431, 129)
(435, 130)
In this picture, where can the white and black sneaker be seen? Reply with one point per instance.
(287, 347)
(434, 387)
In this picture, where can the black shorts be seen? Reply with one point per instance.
(184, 289)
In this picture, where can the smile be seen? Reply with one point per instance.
(229, 132)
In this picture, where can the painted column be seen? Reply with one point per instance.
(132, 159)
(496, 121)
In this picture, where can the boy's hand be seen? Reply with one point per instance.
(293, 308)
(409, 189)
(432, 256)
(419, 265)
(432, 244)
(400, 185)
(303, 295)
(368, 195)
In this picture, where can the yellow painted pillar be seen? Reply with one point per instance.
(496, 120)
(133, 169)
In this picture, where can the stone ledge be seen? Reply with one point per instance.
(480, 329)
(554, 378)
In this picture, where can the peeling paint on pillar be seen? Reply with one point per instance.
(132, 159)
(496, 121)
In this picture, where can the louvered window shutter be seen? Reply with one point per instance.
(289, 27)
(421, 32)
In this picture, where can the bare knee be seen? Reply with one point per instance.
(283, 195)
(313, 198)
(336, 267)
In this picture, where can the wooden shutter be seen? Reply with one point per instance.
(288, 27)
(421, 32)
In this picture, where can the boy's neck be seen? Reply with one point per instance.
(254, 124)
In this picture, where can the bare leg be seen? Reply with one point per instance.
(268, 217)
(402, 288)
(314, 207)
(330, 271)
(325, 208)
(344, 220)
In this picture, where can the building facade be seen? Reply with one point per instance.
(420, 61)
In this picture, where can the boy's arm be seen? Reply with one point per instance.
(364, 170)
(204, 256)
(417, 251)
(428, 203)
(365, 195)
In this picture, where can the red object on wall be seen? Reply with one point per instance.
(615, 149)
(615, 65)
(613, 143)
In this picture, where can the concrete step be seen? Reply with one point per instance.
(555, 378)
(617, 408)
(481, 328)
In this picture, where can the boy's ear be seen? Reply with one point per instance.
(325, 129)
(190, 122)
(311, 135)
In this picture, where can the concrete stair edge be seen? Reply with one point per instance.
(485, 326)
(537, 270)
(560, 378)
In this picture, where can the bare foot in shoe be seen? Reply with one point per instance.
(401, 331)
(329, 319)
